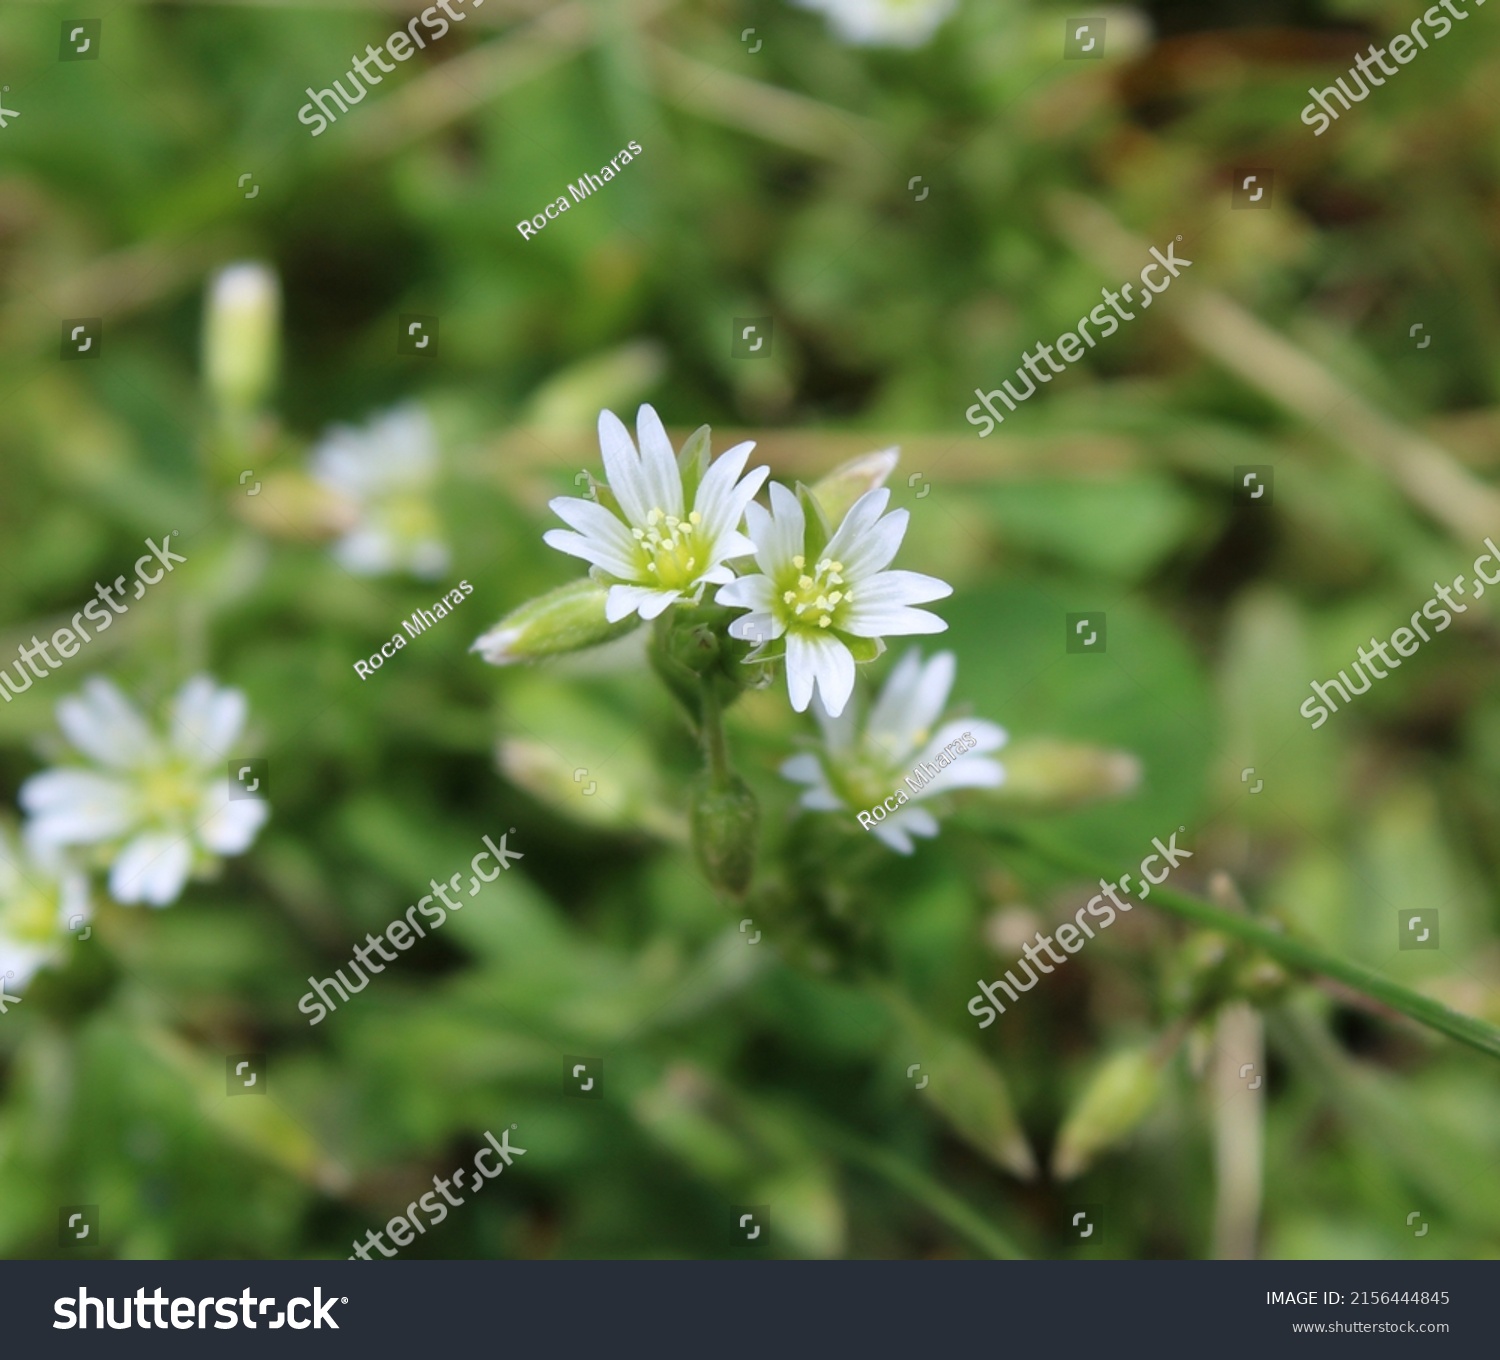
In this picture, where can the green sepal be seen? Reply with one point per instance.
(693, 462)
(567, 619)
(596, 491)
(691, 646)
(818, 530)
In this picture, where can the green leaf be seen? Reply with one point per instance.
(965, 1087)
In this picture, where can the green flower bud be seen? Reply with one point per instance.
(567, 619)
(240, 335)
(691, 647)
(725, 819)
(629, 799)
(1200, 972)
(1116, 1099)
(1262, 981)
(838, 491)
(1060, 775)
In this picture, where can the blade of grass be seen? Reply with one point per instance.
(911, 1180)
(1297, 954)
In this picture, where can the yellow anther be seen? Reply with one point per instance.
(799, 561)
(788, 596)
(804, 582)
(824, 621)
(695, 518)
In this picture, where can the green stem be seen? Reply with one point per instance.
(1295, 953)
(715, 748)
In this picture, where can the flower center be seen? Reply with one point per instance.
(813, 600)
(407, 516)
(672, 549)
(169, 793)
(863, 783)
(31, 916)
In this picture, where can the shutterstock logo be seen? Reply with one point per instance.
(148, 1311)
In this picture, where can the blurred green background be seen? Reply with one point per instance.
(774, 183)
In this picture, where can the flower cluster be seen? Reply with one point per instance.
(822, 600)
(819, 596)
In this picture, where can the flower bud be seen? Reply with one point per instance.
(1116, 1099)
(849, 481)
(691, 647)
(725, 820)
(1200, 972)
(240, 335)
(567, 619)
(1059, 775)
(628, 800)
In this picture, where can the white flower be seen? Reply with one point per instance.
(159, 809)
(859, 768)
(385, 472)
(883, 23)
(840, 603)
(42, 898)
(655, 552)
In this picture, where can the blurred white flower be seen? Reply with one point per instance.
(42, 899)
(159, 809)
(883, 23)
(654, 552)
(839, 605)
(860, 766)
(386, 471)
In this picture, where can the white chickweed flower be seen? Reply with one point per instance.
(159, 809)
(42, 898)
(386, 471)
(860, 767)
(883, 23)
(654, 551)
(831, 604)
